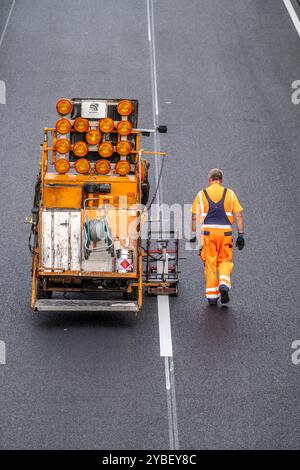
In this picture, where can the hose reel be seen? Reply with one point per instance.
(97, 230)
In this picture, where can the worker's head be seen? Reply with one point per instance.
(215, 175)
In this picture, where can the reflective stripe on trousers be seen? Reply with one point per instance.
(216, 255)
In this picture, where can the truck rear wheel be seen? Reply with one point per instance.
(41, 293)
(133, 295)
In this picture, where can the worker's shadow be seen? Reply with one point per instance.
(108, 320)
(218, 322)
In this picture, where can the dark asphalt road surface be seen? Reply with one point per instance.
(224, 82)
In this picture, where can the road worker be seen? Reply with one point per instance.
(213, 212)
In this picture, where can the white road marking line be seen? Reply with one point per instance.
(153, 54)
(148, 22)
(7, 21)
(151, 37)
(164, 323)
(167, 373)
(173, 403)
(293, 15)
(164, 320)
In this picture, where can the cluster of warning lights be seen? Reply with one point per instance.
(93, 137)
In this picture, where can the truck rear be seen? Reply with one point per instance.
(88, 211)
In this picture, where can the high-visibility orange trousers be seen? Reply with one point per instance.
(216, 254)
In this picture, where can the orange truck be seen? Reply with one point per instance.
(88, 213)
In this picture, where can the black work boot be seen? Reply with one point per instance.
(212, 302)
(224, 291)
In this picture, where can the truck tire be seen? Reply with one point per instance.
(41, 293)
(44, 294)
(132, 296)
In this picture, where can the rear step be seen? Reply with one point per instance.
(72, 305)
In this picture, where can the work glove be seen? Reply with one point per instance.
(240, 241)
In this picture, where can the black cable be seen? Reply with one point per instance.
(152, 258)
(37, 190)
(158, 183)
(30, 244)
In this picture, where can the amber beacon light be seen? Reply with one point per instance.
(102, 167)
(125, 107)
(62, 166)
(106, 149)
(64, 106)
(80, 149)
(82, 166)
(81, 125)
(123, 148)
(122, 167)
(63, 146)
(106, 125)
(93, 137)
(63, 126)
(124, 128)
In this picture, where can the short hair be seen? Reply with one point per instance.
(215, 174)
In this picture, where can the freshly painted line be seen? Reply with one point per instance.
(164, 320)
(293, 15)
(164, 323)
(7, 21)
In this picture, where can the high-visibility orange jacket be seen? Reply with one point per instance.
(215, 191)
(216, 205)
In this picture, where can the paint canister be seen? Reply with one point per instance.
(124, 261)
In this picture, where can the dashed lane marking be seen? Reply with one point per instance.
(7, 21)
(164, 320)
